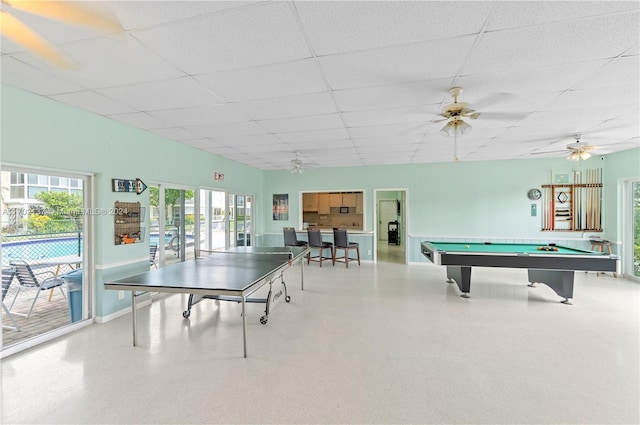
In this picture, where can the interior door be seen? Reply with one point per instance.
(387, 211)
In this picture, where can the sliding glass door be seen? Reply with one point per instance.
(45, 217)
(171, 223)
(212, 220)
(240, 212)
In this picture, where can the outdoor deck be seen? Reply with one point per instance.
(45, 317)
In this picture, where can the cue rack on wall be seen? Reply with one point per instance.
(575, 206)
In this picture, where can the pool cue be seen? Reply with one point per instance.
(588, 189)
(578, 200)
(599, 204)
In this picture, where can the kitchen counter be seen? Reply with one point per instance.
(330, 230)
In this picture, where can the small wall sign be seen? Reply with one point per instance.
(218, 177)
(123, 185)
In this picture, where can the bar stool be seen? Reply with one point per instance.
(600, 245)
(341, 241)
(290, 237)
(316, 242)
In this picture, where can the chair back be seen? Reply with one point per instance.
(290, 238)
(315, 237)
(25, 275)
(7, 278)
(340, 238)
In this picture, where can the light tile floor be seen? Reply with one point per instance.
(381, 344)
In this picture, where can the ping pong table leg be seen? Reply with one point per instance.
(244, 326)
(133, 316)
(301, 275)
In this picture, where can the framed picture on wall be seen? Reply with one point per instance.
(281, 207)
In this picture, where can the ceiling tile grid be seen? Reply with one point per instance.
(350, 83)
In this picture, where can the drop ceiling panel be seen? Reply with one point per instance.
(135, 15)
(109, 61)
(314, 136)
(269, 81)
(18, 74)
(388, 130)
(271, 78)
(316, 149)
(398, 64)
(175, 133)
(223, 129)
(315, 122)
(619, 71)
(93, 102)
(553, 44)
(200, 115)
(337, 27)
(290, 106)
(139, 120)
(417, 115)
(241, 37)
(175, 93)
(386, 97)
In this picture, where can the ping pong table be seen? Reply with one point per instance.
(226, 275)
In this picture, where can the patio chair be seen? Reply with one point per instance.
(36, 281)
(153, 249)
(7, 278)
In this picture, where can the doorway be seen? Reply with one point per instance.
(240, 212)
(390, 231)
(45, 221)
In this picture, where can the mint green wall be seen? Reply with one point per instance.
(464, 199)
(41, 133)
(458, 199)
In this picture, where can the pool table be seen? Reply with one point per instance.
(551, 264)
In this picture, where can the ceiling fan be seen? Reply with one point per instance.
(70, 12)
(454, 114)
(297, 165)
(577, 150)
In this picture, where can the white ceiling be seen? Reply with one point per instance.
(352, 83)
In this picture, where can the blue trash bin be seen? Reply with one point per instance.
(73, 281)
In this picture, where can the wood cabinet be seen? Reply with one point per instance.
(359, 203)
(309, 202)
(349, 200)
(335, 200)
(323, 203)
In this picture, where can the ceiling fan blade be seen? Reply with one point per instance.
(21, 34)
(548, 152)
(70, 12)
(503, 116)
(470, 113)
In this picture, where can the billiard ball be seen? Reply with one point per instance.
(466, 246)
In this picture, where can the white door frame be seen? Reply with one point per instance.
(404, 201)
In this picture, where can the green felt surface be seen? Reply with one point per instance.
(505, 248)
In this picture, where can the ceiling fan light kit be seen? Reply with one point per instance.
(453, 114)
(456, 127)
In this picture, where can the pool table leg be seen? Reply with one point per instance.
(561, 281)
(462, 276)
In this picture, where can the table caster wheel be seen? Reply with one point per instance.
(186, 314)
(287, 298)
(264, 320)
